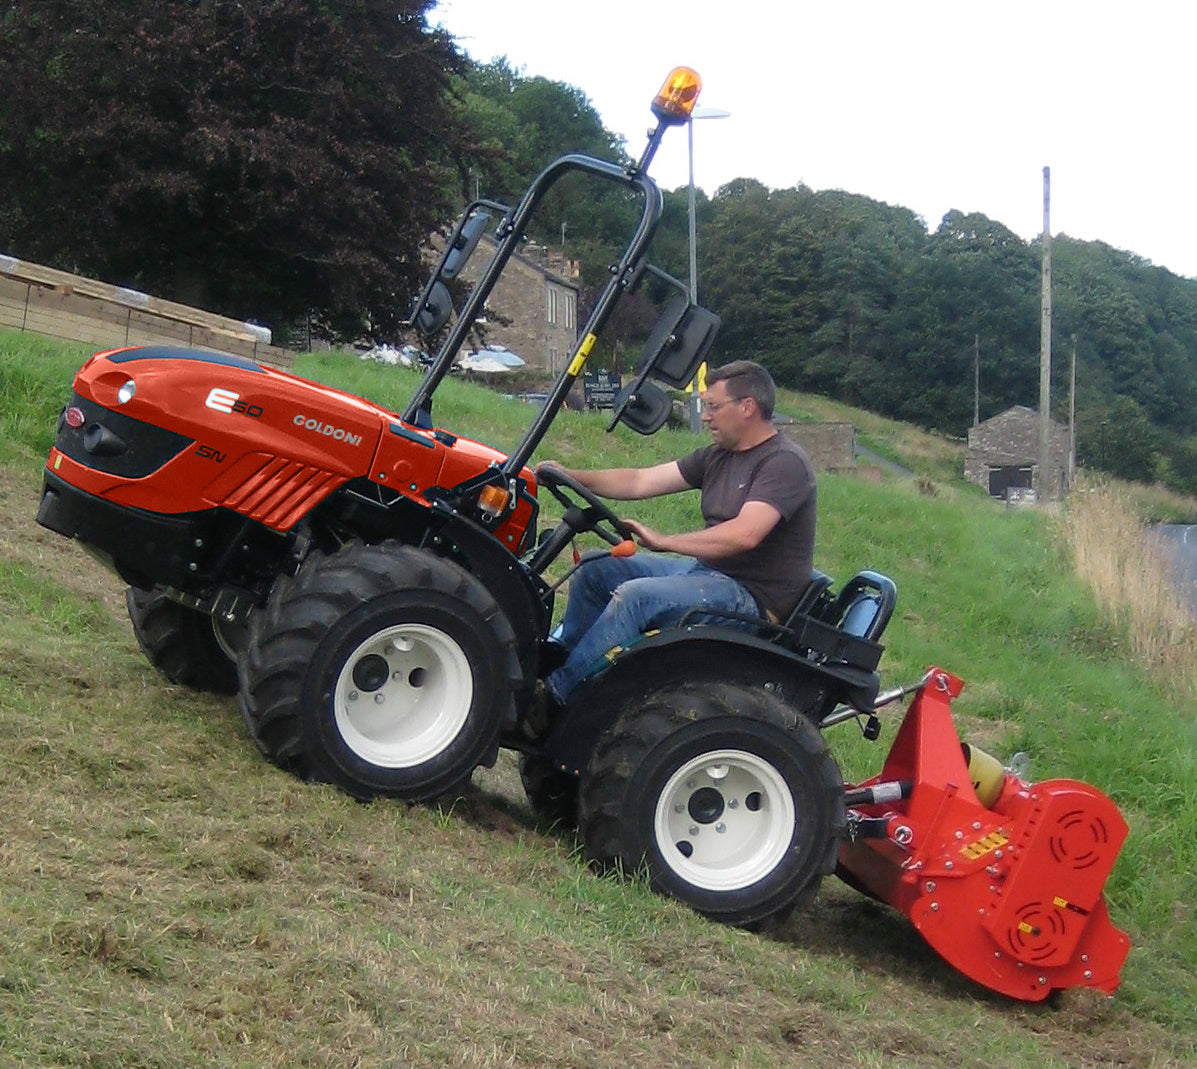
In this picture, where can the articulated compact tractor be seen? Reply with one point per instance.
(374, 589)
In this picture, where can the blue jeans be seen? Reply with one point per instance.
(614, 600)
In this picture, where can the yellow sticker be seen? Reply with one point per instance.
(58, 462)
(579, 360)
(985, 845)
(1060, 903)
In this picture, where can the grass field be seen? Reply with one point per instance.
(171, 900)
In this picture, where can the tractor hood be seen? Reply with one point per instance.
(180, 430)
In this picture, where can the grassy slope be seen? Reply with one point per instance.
(172, 900)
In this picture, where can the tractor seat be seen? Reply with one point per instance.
(843, 627)
(864, 606)
(814, 599)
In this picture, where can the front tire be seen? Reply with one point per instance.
(725, 795)
(190, 648)
(383, 669)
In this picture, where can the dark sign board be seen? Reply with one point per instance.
(599, 388)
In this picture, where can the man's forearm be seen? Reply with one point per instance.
(629, 484)
(712, 543)
(619, 484)
(742, 532)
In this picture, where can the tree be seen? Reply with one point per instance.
(517, 126)
(264, 160)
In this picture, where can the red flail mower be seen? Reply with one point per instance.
(1003, 878)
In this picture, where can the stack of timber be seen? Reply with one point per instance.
(73, 308)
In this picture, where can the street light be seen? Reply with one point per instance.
(698, 113)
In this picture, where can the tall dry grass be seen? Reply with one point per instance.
(1132, 577)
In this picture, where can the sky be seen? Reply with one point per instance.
(928, 105)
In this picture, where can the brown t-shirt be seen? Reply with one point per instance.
(779, 473)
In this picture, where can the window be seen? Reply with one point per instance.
(552, 305)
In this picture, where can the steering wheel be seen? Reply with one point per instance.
(596, 513)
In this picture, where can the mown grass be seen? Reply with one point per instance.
(171, 900)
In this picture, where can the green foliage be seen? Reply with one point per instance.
(854, 299)
(266, 160)
(517, 126)
(35, 382)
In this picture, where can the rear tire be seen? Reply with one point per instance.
(382, 669)
(725, 795)
(190, 648)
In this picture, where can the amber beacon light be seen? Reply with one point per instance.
(677, 97)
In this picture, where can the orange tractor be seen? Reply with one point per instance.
(374, 589)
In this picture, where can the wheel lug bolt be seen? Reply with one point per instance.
(733, 804)
(679, 808)
(721, 827)
(353, 695)
(379, 699)
(693, 829)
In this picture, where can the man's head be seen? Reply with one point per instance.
(738, 405)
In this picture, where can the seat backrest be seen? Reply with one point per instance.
(865, 605)
(858, 617)
(813, 598)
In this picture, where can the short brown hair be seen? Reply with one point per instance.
(746, 378)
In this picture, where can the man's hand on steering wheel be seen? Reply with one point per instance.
(645, 535)
(596, 516)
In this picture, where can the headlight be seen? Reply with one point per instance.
(125, 394)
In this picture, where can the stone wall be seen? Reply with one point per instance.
(830, 446)
(73, 308)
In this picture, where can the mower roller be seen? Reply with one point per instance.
(377, 592)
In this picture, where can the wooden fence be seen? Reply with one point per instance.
(62, 305)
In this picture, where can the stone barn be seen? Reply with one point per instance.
(1003, 455)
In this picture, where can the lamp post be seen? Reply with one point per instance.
(698, 113)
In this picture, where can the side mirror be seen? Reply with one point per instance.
(679, 343)
(643, 408)
(436, 309)
(464, 245)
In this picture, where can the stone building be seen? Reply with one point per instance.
(533, 309)
(1003, 455)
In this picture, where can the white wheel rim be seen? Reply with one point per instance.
(724, 820)
(408, 714)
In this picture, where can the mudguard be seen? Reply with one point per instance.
(694, 653)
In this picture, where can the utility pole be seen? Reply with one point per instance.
(976, 380)
(1046, 475)
(1072, 419)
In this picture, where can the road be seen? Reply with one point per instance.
(1181, 539)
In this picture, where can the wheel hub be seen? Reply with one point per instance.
(725, 820)
(371, 672)
(706, 805)
(403, 695)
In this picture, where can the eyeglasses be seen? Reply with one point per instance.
(714, 406)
